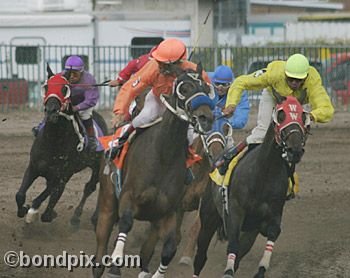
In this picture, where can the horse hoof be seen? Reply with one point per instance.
(114, 272)
(185, 260)
(261, 272)
(75, 221)
(22, 211)
(144, 274)
(111, 275)
(97, 272)
(47, 217)
(228, 274)
(32, 215)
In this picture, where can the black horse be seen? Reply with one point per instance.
(154, 175)
(257, 190)
(58, 152)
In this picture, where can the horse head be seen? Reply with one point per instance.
(291, 124)
(193, 99)
(56, 93)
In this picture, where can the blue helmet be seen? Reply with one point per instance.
(222, 74)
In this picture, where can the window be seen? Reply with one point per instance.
(230, 14)
(143, 45)
(25, 55)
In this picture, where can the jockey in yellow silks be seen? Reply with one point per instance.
(292, 77)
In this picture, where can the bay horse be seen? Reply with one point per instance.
(210, 147)
(257, 190)
(58, 153)
(154, 174)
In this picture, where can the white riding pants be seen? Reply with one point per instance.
(266, 105)
(86, 114)
(153, 109)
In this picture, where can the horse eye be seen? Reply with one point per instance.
(281, 116)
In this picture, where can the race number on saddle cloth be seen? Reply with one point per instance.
(110, 141)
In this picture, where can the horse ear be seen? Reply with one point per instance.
(49, 71)
(278, 97)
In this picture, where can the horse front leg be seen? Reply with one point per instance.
(56, 186)
(147, 250)
(273, 232)
(89, 188)
(29, 177)
(192, 238)
(33, 212)
(233, 226)
(167, 232)
(125, 225)
(107, 207)
(210, 220)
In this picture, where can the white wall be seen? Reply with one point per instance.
(316, 31)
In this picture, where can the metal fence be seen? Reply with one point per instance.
(23, 68)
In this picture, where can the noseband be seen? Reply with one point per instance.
(289, 117)
(189, 91)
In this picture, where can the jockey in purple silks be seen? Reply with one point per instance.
(84, 98)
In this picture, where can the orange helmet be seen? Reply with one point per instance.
(170, 51)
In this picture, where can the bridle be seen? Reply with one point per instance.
(286, 114)
(60, 90)
(185, 105)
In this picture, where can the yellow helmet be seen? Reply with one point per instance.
(297, 66)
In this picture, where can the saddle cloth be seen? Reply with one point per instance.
(224, 180)
(108, 141)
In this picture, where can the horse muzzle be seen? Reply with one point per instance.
(53, 117)
(203, 120)
(295, 155)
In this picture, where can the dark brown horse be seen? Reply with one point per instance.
(210, 147)
(154, 175)
(58, 153)
(257, 190)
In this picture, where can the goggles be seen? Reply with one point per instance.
(222, 85)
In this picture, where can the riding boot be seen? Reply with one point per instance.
(90, 132)
(229, 155)
(115, 151)
(36, 129)
(124, 137)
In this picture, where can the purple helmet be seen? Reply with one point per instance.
(74, 63)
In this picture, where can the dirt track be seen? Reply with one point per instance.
(315, 238)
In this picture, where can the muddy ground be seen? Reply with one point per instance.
(315, 238)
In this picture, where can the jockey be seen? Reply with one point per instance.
(133, 66)
(83, 98)
(159, 74)
(222, 79)
(292, 77)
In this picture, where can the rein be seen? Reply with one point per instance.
(71, 118)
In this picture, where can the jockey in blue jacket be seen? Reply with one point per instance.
(222, 79)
